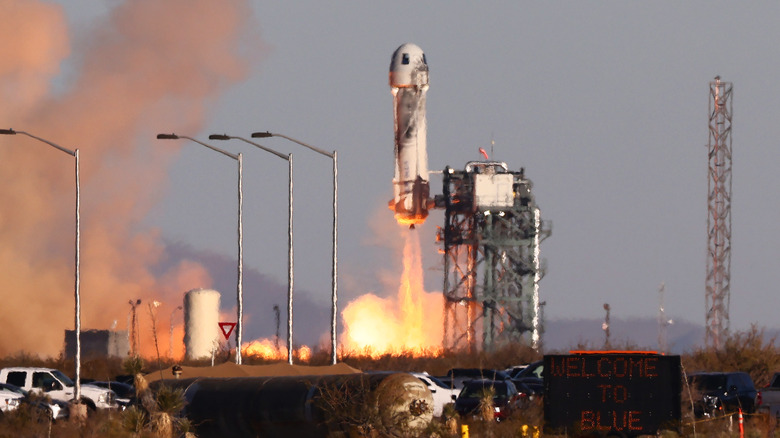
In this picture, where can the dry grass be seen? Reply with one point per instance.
(750, 351)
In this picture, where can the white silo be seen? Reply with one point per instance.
(201, 323)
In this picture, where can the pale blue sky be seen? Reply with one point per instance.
(604, 103)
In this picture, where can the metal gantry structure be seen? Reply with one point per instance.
(718, 279)
(492, 268)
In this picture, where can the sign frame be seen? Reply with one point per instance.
(628, 393)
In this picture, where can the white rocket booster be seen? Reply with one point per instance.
(409, 84)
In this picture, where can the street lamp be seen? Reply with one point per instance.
(334, 294)
(170, 338)
(74, 154)
(289, 159)
(240, 295)
(134, 343)
(152, 313)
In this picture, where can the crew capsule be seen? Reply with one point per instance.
(408, 67)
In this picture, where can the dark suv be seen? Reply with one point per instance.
(506, 398)
(722, 393)
(531, 376)
(456, 377)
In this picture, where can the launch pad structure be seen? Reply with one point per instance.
(492, 226)
(491, 236)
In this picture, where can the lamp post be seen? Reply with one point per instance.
(290, 277)
(334, 293)
(240, 294)
(170, 337)
(74, 154)
(153, 314)
(134, 347)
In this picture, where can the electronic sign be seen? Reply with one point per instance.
(625, 392)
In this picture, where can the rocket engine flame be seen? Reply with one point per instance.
(409, 323)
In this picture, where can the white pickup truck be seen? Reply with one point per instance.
(57, 385)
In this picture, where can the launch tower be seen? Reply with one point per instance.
(491, 236)
(718, 280)
(492, 226)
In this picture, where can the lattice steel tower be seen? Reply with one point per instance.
(492, 268)
(718, 280)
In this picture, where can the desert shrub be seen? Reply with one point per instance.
(134, 419)
(133, 365)
(25, 359)
(485, 408)
(749, 351)
(349, 406)
(24, 421)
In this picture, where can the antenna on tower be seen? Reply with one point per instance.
(662, 321)
(540, 328)
(718, 279)
(605, 326)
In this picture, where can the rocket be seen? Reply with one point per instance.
(409, 85)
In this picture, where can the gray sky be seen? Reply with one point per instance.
(604, 103)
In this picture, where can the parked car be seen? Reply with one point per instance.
(54, 409)
(515, 369)
(122, 390)
(57, 386)
(506, 398)
(125, 393)
(527, 393)
(722, 393)
(442, 394)
(534, 369)
(457, 376)
(531, 376)
(768, 398)
(9, 400)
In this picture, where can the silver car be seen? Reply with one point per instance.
(54, 409)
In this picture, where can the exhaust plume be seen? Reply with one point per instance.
(410, 322)
(149, 66)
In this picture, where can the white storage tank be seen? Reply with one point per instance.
(201, 323)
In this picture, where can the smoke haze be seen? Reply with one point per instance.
(149, 66)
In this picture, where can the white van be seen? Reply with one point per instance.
(57, 385)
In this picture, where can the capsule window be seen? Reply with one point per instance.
(405, 59)
(424, 61)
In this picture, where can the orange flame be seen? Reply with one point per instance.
(410, 220)
(409, 324)
(266, 349)
(263, 348)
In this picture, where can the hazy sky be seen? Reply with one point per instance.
(604, 103)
